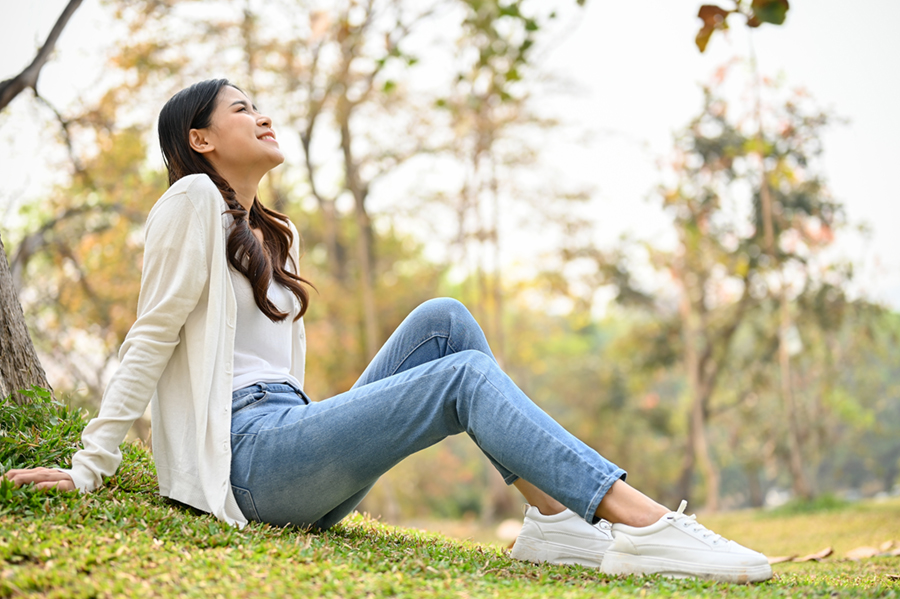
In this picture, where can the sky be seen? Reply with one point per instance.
(631, 78)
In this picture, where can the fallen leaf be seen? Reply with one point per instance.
(862, 553)
(814, 557)
(781, 559)
(893, 576)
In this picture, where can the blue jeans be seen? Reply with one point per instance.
(311, 463)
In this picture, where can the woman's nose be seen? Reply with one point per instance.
(264, 121)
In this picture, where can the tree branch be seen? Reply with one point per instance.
(11, 88)
(67, 138)
(35, 241)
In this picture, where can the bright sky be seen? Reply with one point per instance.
(637, 73)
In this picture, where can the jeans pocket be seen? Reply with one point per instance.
(244, 499)
(247, 400)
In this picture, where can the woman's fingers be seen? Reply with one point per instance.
(44, 478)
(59, 485)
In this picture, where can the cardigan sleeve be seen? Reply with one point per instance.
(298, 338)
(175, 274)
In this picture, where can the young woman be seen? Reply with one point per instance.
(220, 314)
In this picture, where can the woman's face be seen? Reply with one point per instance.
(239, 139)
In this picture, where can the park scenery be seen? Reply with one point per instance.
(674, 245)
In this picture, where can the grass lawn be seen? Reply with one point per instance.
(124, 540)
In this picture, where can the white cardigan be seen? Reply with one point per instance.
(179, 356)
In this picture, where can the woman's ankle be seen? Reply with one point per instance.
(545, 504)
(623, 504)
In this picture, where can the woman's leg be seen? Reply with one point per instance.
(434, 329)
(299, 463)
(437, 328)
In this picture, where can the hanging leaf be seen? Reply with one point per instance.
(713, 17)
(768, 11)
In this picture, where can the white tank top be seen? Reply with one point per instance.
(262, 348)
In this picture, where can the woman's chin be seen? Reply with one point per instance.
(277, 159)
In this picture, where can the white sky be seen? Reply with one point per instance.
(637, 73)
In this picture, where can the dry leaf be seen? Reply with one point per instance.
(893, 576)
(814, 557)
(862, 552)
(780, 559)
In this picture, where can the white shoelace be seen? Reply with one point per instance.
(690, 522)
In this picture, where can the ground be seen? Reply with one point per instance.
(125, 540)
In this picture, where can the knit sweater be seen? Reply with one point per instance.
(179, 356)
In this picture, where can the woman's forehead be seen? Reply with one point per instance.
(231, 95)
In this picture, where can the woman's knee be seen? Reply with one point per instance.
(443, 305)
(479, 362)
(442, 310)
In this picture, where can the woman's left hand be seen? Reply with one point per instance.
(43, 478)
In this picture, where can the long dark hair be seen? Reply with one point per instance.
(192, 108)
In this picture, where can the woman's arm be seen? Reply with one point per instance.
(174, 277)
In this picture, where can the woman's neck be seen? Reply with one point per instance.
(244, 182)
(245, 193)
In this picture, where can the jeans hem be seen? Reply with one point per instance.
(617, 474)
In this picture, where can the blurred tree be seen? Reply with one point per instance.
(82, 261)
(718, 275)
(486, 102)
(20, 367)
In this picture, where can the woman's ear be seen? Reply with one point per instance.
(199, 141)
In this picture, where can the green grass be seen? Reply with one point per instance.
(125, 540)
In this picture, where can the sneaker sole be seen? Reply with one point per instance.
(615, 564)
(539, 551)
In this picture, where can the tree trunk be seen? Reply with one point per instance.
(698, 450)
(701, 443)
(754, 488)
(20, 367)
(799, 480)
(686, 478)
(365, 241)
(499, 337)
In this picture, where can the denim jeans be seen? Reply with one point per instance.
(311, 463)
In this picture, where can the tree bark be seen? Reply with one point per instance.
(20, 367)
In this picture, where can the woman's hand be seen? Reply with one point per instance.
(43, 478)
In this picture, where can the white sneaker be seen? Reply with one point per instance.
(678, 546)
(563, 538)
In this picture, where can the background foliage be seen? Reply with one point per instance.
(420, 171)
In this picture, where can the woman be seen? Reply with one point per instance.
(220, 312)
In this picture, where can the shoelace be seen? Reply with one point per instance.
(686, 521)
